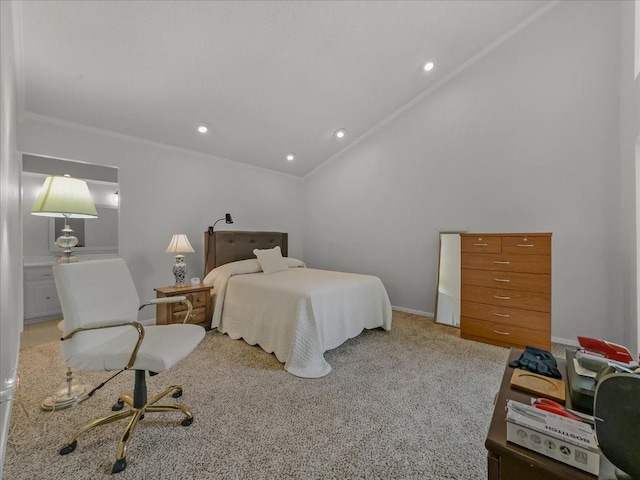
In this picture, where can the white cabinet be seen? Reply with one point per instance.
(40, 295)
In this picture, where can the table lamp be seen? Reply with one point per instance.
(63, 196)
(179, 244)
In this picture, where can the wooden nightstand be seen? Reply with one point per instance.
(198, 295)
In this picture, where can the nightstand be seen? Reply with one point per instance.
(198, 295)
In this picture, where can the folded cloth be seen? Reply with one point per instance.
(537, 360)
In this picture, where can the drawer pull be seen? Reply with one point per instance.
(501, 262)
(499, 297)
(523, 245)
(503, 315)
(480, 244)
(502, 280)
(501, 333)
(46, 274)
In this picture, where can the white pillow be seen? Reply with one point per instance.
(294, 262)
(234, 268)
(271, 260)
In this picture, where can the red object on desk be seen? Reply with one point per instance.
(606, 349)
(554, 407)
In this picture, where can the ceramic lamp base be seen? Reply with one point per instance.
(180, 271)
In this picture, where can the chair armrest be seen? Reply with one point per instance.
(136, 325)
(177, 299)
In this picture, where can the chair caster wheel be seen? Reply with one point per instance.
(187, 421)
(177, 393)
(119, 405)
(119, 466)
(69, 447)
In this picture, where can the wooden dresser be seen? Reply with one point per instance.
(506, 289)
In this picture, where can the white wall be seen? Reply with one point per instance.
(629, 179)
(165, 190)
(10, 227)
(525, 139)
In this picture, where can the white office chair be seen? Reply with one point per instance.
(100, 306)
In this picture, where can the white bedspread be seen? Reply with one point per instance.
(297, 314)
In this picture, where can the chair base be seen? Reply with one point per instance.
(137, 412)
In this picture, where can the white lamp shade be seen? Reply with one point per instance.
(62, 196)
(180, 244)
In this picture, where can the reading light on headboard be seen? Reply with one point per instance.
(227, 218)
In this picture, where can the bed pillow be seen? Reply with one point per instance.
(294, 262)
(271, 260)
(233, 268)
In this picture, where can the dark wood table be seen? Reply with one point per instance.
(508, 461)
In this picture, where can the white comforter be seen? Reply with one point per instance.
(299, 313)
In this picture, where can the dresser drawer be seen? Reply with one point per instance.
(198, 315)
(34, 274)
(480, 244)
(507, 298)
(503, 334)
(198, 299)
(530, 282)
(526, 245)
(508, 315)
(508, 263)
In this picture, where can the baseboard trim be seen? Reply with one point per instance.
(415, 312)
(565, 341)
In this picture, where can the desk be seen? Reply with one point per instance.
(508, 461)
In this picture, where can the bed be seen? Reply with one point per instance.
(294, 312)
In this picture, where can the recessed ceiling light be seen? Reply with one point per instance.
(291, 156)
(340, 133)
(428, 66)
(203, 128)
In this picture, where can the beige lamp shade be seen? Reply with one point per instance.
(180, 244)
(64, 196)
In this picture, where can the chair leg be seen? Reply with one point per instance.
(164, 393)
(71, 444)
(138, 406)
(121, 461)
(119, 405)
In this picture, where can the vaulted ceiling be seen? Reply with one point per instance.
(269, 78)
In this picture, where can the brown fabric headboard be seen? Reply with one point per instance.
(230, 246)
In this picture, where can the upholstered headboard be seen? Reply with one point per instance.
(230, 246)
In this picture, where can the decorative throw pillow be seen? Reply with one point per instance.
(271, 260)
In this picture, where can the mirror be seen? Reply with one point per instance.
(96, 235)
(447, 304)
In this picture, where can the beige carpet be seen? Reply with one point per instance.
(411, 403)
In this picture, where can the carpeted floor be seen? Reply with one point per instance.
(411, 403)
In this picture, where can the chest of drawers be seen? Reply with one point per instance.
(506, 288)
(198, 295)
(40, 294)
